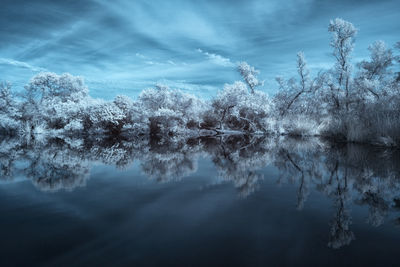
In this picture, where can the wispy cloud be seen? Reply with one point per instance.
(150, 61)
(20, 64)
(140, 56)
(217, 59)
(171, 62)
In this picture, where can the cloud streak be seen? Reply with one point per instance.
(20, 64)
(217, 59)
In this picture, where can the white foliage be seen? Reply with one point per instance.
(48, 85)
(238, 109)
(249, 74)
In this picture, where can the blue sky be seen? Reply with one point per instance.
(122, 46)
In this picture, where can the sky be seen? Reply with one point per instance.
(125, 46)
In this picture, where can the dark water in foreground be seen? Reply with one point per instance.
(202, 202)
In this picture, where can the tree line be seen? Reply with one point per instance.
(350, 103)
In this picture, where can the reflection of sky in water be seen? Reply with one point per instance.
(199, 202)
(122, 218)
(124, 46)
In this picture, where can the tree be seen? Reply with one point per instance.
(134, 118)
(294, 91)
(169, 110)
(373, 76)
(397, 58)
(52, 99)
(236, 108)
(381, 60)
(342, 42)
(107, 116)
(249, 74)
(9, 114)
(48, 85)
(6, 99)
(226, 100)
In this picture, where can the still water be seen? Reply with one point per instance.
(227, 201)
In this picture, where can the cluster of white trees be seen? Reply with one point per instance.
(60, 104)
(57, 105)
(358, 103)
(348, 103)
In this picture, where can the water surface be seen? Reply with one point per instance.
(223, 201)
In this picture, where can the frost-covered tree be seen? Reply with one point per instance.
(342, 42)
(397, 58)
(374, 75)
(168, 110)
(255, 112)
(381, 60)
(9, 115)
(48, 85)
(236, 109)
(51, 100)
(134, 118)
(6, 99)
(292, 92)
(249, 74)
(107, 117)
(162, 97)
(227, 100)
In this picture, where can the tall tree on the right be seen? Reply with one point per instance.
(342, 42)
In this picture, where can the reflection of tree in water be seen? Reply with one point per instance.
(377, 180)
(346, 174)
(117, 152)
(306, 163)
(170, 161)
(50, 166)
(374, 178)
(351, 173)
(340, 233)
(238, 158)
(8, 156)
(338, 189)
(55, 164)
(396, 207)
(299, 161)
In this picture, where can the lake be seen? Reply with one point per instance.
(210, 201)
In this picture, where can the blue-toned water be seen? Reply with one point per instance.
(201, 202)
